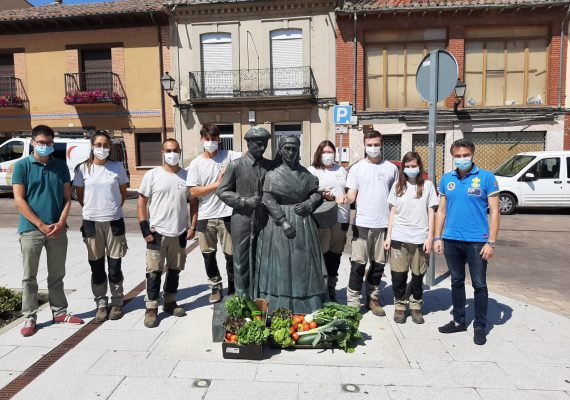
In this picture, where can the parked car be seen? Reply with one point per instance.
(534, 179)
(72, 148)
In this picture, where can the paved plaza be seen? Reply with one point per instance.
(527, 355)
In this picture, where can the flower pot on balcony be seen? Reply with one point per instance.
(11, 101)
(93, 97)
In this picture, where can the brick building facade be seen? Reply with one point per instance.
(508, 54)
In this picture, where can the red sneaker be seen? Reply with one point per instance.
(29, 327)
(67, 319)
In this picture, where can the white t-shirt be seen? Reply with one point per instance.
(334, 179)
(411, 224)
(373, 183)
(101, 196)
(204, 171)
(167, 200)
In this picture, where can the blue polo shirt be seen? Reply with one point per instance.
(43, 187)
(466, 210)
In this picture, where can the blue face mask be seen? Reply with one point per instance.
(44, 151)
(463, 164)
(412, 172)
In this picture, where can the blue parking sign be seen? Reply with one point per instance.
(342, 114)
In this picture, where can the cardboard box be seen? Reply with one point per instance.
(242, 352)
(250, 351)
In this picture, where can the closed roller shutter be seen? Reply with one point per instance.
(286, 61)
(217, 56)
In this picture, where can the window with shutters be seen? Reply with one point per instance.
(97, 67)
(217, 74)
(287, 72)
(391, 62)
(149, 146)
(506, 67)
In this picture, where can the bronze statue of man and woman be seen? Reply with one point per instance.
(277, 254)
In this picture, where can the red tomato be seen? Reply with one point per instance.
(296, 319)
(295, 336)
(306, 326)
(292, 329)
(313, 325)
(228, 336)
(295, 325)
(258, 317)
(233, 339)
(302, 317)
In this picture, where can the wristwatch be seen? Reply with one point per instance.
(491, 244)
(193, 228)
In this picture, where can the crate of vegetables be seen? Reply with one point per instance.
(246, 329)
(334, 325)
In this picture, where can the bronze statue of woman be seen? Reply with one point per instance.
(290, 268)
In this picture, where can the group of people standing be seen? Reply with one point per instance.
(261, 213)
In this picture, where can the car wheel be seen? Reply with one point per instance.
(507, 204)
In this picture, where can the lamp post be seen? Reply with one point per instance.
(459, 90)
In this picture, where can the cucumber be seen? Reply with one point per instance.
(307, 339)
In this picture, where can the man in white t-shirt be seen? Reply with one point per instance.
(204, 176)
(163, 216)
(369, 182)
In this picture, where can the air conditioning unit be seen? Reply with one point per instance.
(471, 102)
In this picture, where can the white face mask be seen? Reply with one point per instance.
(210, 146)
(373, 152)
(412, 172)
(101, 153)
(327, 159)
(172, 159)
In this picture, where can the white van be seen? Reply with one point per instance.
(534, 179)
(72, 148)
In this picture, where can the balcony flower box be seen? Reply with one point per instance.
(92, 97)
(8, 100)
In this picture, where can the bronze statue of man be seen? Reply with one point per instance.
(241, 189)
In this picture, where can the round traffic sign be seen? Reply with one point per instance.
(446, 76)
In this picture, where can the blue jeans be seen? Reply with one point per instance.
(457, 253)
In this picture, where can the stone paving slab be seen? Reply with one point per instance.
(526, 357)
(501, 394)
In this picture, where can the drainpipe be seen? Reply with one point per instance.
(161, 68)
(561, 56)
(354, 69)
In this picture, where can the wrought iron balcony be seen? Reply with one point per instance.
(12, 93)
(253, 83)
(93, 88)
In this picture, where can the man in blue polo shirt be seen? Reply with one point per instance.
(468, 237)
(42, 194)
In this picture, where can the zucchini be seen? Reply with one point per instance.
(307, 339)
(249, 303)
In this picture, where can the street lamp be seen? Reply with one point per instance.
(167, 83)
(459, 90)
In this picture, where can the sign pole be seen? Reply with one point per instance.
(432, 126)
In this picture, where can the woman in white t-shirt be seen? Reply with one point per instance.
(101, 186)
(332, 181)
(409, 237)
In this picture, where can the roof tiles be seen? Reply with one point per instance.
(67, 11)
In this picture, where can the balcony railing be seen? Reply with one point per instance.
(12, 92)
(269, 82)
(93, 88)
